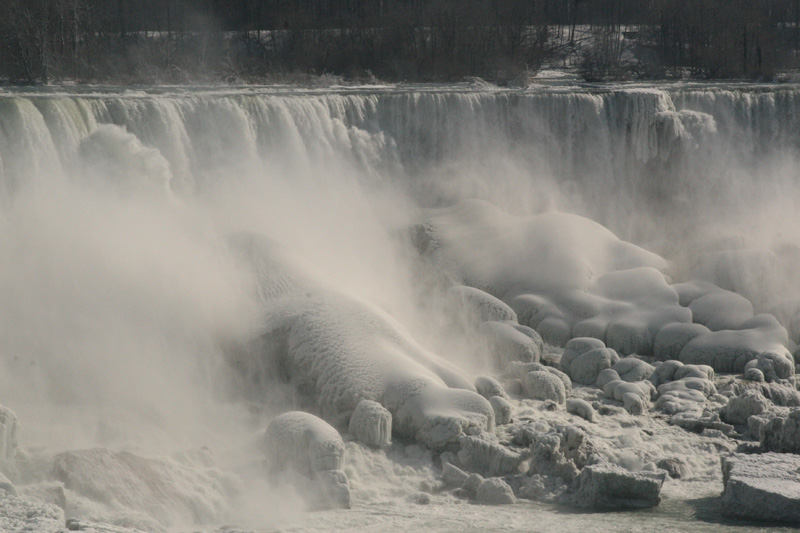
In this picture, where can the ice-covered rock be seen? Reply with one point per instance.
(480, 305)
(720, 309)
(487, 457)
(21, 514)
(507, 343)
(635, 396)
(577, 347)
(581, 408)
(773, 366)
(371, 424)
(762, 487)
(503, 410)
(754, 374)
(488, 386)
(632, 369)
(542, 385)
(589, 283)
(337, 350)
(731, 350)
(671, 339)
(586, 367)
(782, 433)
(9, 427)
(740, 408)
(606, 486)
(675, 467)
(304, 443)
(452, 476)
(495, 491)
(165, 490)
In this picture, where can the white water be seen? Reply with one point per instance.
(119, 297)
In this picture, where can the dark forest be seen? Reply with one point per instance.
(504, 41)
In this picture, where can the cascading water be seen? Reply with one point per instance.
(128, 313)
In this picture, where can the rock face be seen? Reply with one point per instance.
(762, 487)
(371, 424)
(605, 486)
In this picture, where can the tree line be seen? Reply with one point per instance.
(174, 41)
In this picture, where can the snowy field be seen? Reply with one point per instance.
(554, 308)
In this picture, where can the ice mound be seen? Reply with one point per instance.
(565, 276)
(335, 351)
(302, 443)
(128, 484)
(762, 487)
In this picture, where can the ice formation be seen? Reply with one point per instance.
(623, 339)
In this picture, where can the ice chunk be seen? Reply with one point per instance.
(606, 486)
(740, 408)
(762, 487)
(371, 424)
(581, 408)
(452, 476)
